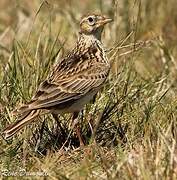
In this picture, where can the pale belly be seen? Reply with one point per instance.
(77, 105)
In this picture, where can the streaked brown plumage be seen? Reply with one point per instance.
(73, 81)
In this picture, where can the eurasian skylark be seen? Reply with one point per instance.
(73, 81)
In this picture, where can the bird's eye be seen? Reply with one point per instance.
(91, 20)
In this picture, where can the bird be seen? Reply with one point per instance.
(73, 80)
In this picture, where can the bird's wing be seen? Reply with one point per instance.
(67, 84)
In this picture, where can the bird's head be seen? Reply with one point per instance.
(93, 24)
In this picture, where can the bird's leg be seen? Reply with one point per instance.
(93, 99)
(77, 127)
(55, 116)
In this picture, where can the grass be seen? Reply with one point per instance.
(130, 130)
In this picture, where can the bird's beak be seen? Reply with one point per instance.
(105, 21)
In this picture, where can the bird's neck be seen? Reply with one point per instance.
(88, 40)
(95, 34)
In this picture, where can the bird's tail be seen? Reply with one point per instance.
(24, 117)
